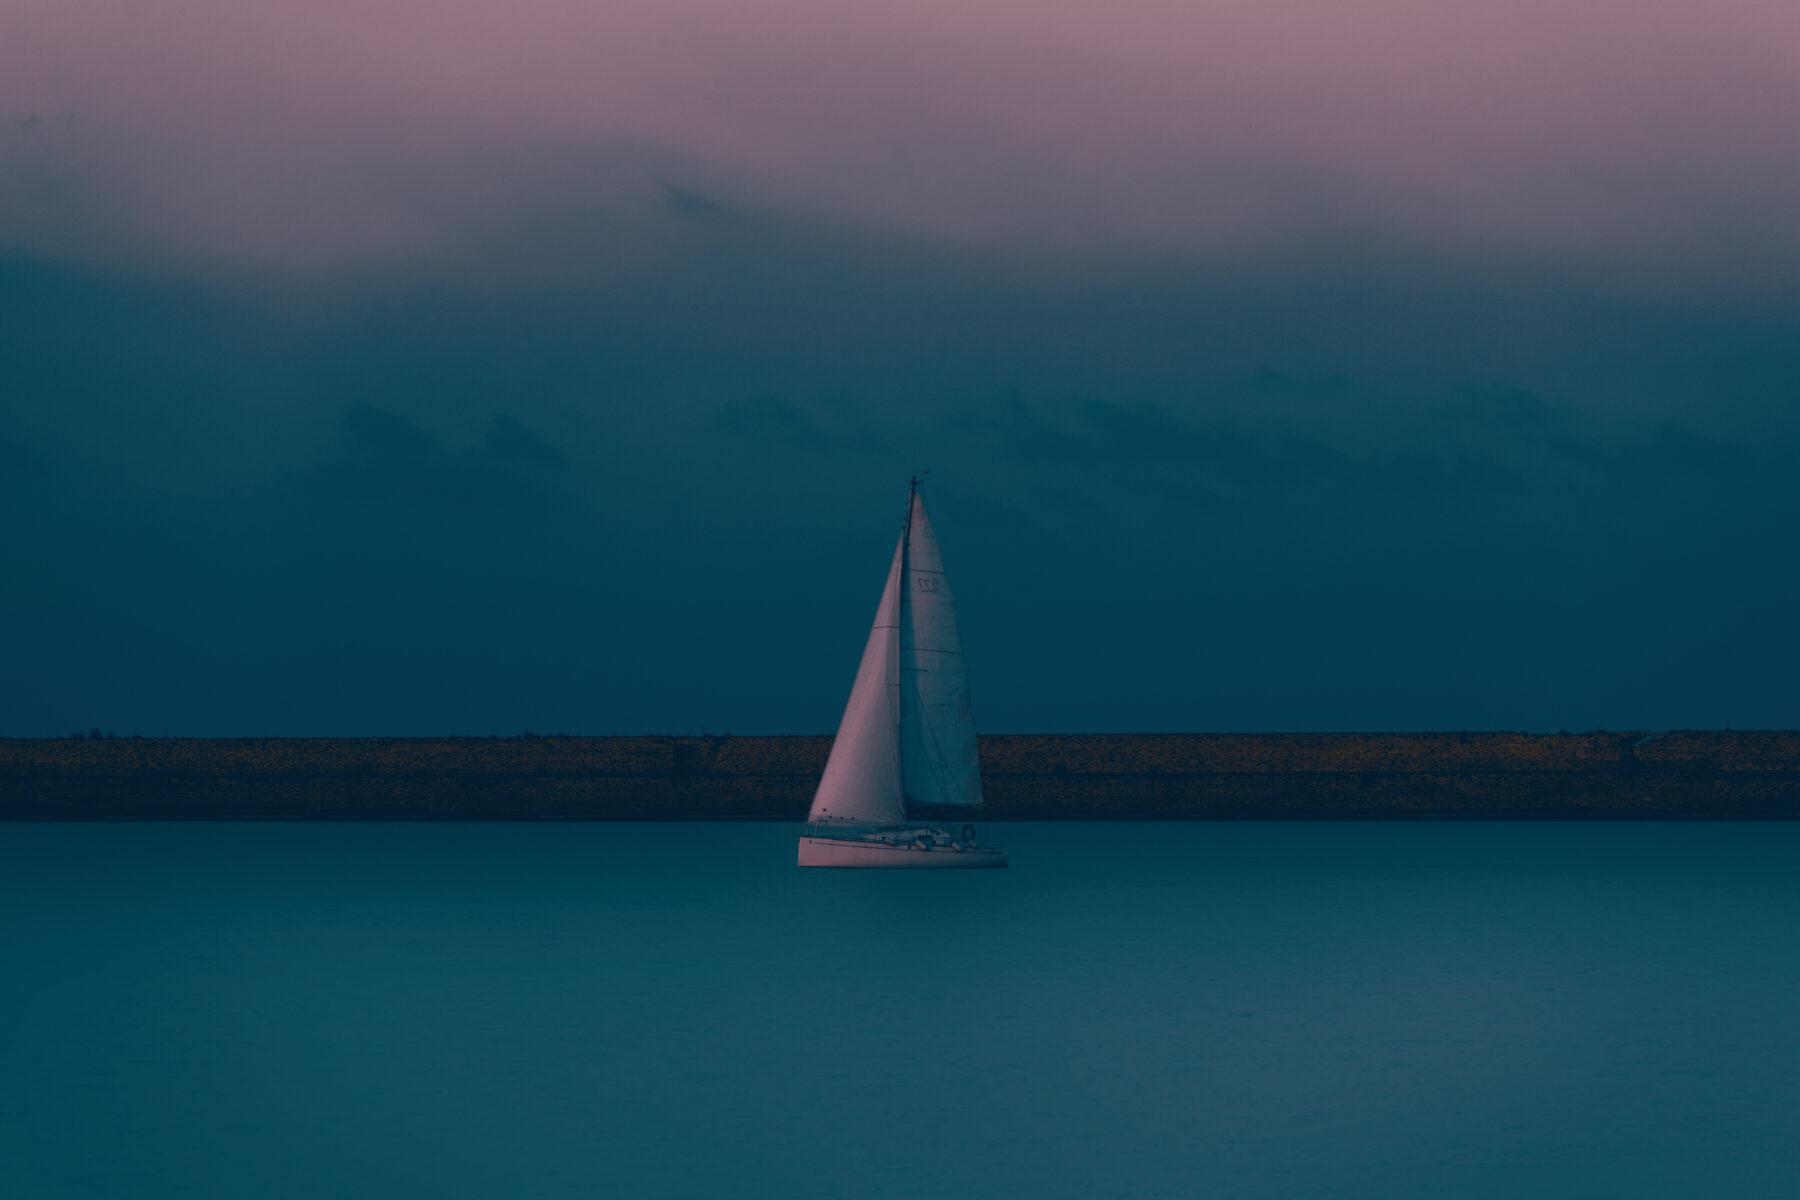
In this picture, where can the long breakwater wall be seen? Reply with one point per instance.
(1705, 775)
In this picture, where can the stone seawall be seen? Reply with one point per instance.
(1706, 774)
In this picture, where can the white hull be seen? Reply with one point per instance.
(856, 852)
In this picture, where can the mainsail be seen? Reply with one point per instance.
(908, 733)
(938, 765)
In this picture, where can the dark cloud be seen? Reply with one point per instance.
(16, 460)
(387, 435)
(509, 441)
(1680, 453)
(778, 420)
(1514, 408)
(687, 202)
(1334, 388)
(387, 461)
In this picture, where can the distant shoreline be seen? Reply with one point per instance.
(1682, 775)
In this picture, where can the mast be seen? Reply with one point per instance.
(912, 492)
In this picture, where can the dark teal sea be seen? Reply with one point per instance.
(1217, 1010)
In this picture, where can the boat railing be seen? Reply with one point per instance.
(849, 831)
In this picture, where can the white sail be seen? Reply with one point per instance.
(862, 776)
(938, 764)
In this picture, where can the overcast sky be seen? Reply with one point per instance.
(395, 367)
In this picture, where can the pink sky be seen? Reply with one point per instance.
(288, 134)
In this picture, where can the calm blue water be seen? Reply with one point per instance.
(1238, 1010)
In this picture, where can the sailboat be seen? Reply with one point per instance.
(905, 751)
